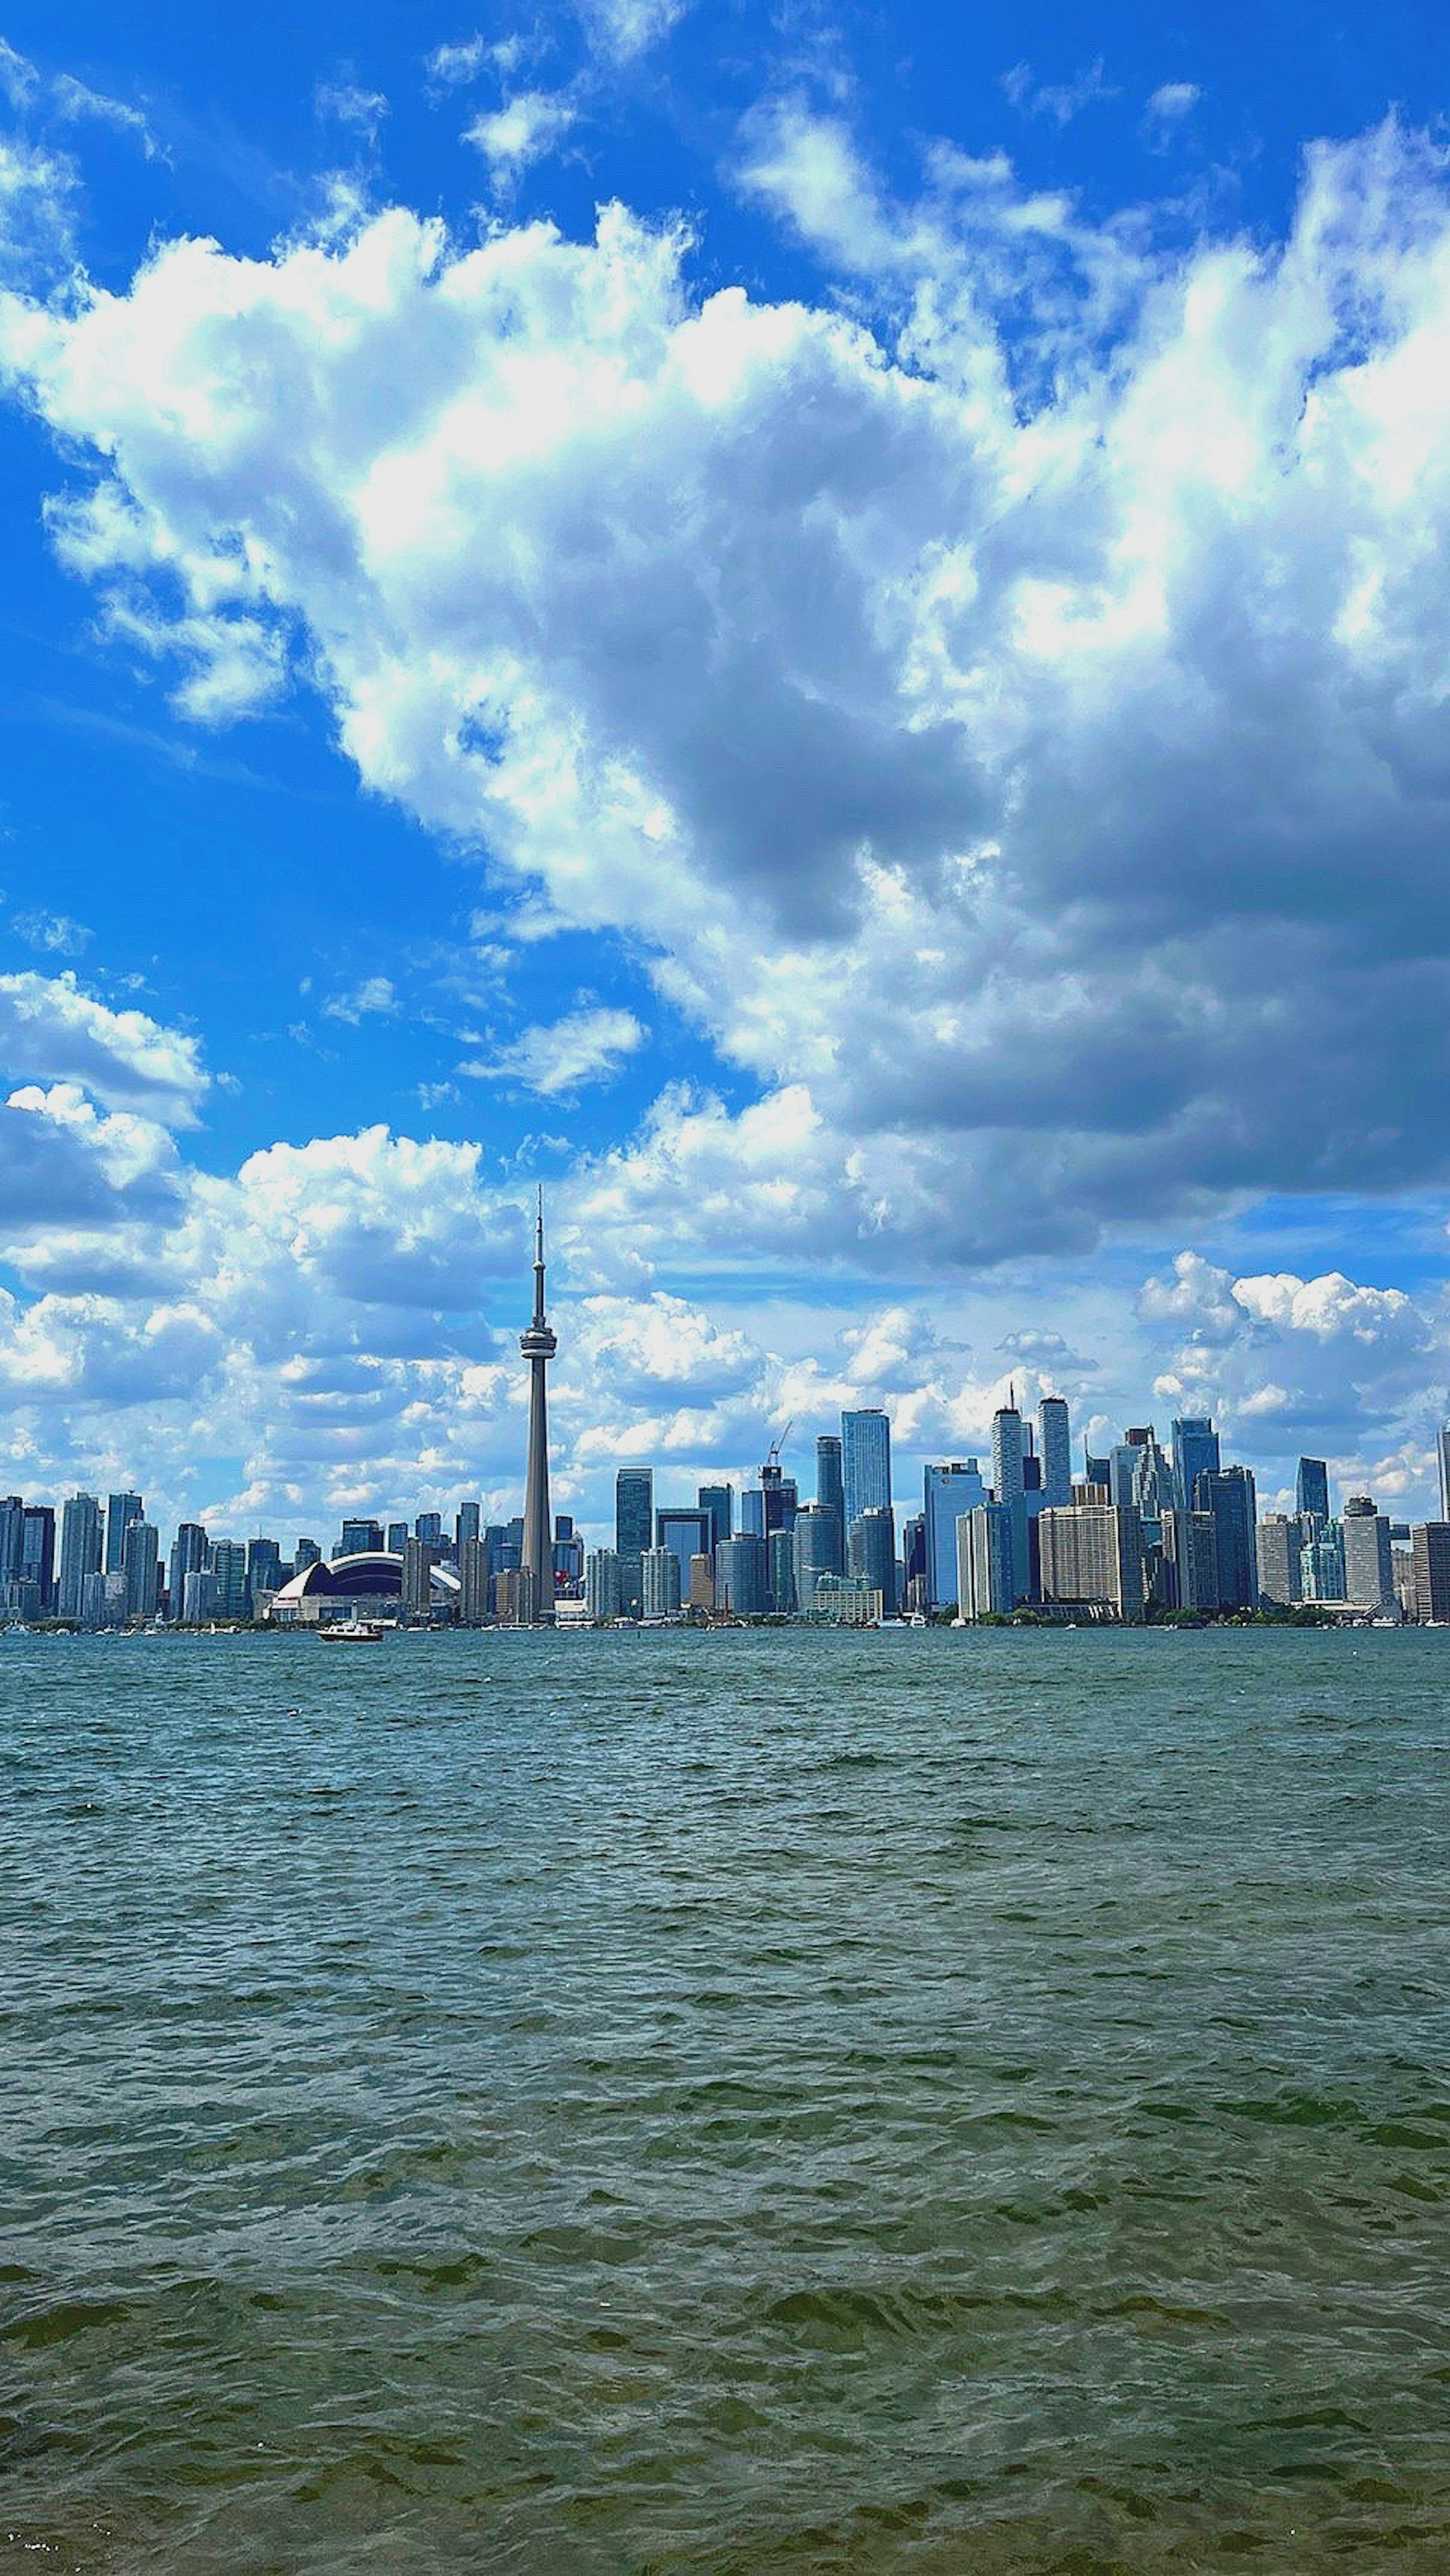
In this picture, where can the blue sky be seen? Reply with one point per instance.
(874, 715)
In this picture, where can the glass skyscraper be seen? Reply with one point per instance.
(1195, 1454)
(865, 1463)
(1311, 1493)
(950, 1491)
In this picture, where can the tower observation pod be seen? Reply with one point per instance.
(538, 1345)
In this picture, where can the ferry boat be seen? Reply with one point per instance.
(352, 1632)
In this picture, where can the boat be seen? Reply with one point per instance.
(352, 1632)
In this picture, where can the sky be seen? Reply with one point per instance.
(823, 629)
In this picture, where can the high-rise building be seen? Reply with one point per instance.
(702, 1583)
(1092, 1554)
(719, 1502)
(200, 1597)
(831, 1491)
(1123, 1463)
(1190, 1559)
(419, 1558)
(229, 1566)
(1442, 1455)
(80, 1551)
(816, 1542)
(1010, 1489)
(121, 1511)
(660, 1568)
(780, 1567)
(429, 1528)
(1280, 1540)
(264, 1566)
(1195, 1454)
(634, 1497)
(865, 1463)
(871, 1554)
(601, 1583)
(911, 1584)
(1311, 1488)
(1369, 1575)
(1228, 1492)
(742, 1577)
(1054, 1448)
(188, 1556)
(467, 1524)
(141, 1568)
(949, 1490)
(473, 1582)
(1430, 1543)
(360, 1537)
(984, 1563)
(689, 1530)
(12, 1537)
(398, 1535)
(1321, 1563)
(568, 1555)
(37, 1553)
(307, 1552)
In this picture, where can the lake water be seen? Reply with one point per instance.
(726, 2103)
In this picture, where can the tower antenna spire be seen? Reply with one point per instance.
(538, 1345)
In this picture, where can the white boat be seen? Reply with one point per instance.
(352, 1632)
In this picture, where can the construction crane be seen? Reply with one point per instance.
(772, 1455)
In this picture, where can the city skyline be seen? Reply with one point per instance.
(649, 721)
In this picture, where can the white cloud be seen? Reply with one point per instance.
(75, 103)
(374, 997)
(1173, 101)
(521, 132)
(51, 1029)
(54, 931)
(454, 65)
(1061, 100)
(622, 29)
(348, 103)
(561, 1057)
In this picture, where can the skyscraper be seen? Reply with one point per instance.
(141, 1566)
(80, 1551)
(1195, 1454)
(1368, 1567)
(1442, 1453)
(37, 1559)
(984, 1563)
(949, 1491)
(538, 1345)
(466, 1525)
(719, 1502)
(1311, 1493)
(816, 1542)
(121, 1511)
(634, 1495)
(1054, 1446)
(188, 1556)
(1010, 1488)
(1228, 1493)
(871, 1554)
(831, 1495)
(865, 1463)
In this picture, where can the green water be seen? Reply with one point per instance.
(633, 2103)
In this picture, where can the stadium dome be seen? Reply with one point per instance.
(376, 1576)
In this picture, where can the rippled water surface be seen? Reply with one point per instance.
(725, 2103)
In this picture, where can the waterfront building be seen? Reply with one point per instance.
(141, 1568)
(397, 1538)
(1442, 1455)
(1368, 1569)
(429, 1528)
(473, 1582)
(121, 1511)
(719, 1502)
(871, 1553)
(1321, 1564)
(601, 1583)
(702, 1583)
(513, 1594)
(1123, 1461)
(752, 1512)
(831, 1492)
(420, 1556)
(229, 1565)
(1311, 1489)
(844, 1601)
(634, 1491)
(307, 1552)
(1228, 1492)
(661, 1571)
(98, 1601)
(467, 1524)
(816, 1543)
(949, 1491)
(1092, 1557)
(911, 1586)
(1195, 1453)
(264, 1566)
(1430, 1547)
(12, 1537)
(37, 1554)
(984, 1563)
(1280, 1542)
(361, 1537)
(568, 1555)
(1189, 1560)
(865, 1463)
(1009, 1485)
(80, 1551)
(1054, 1448)
(780, 1564)
(200, 1598)
(538, 1343)
(742, 1577)
(687, 1529)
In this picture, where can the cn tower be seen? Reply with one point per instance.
(538, 1345)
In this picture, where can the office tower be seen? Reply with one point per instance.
(948, 1491)
(984, 1563)
(1280, 1540)
(419, 1558)
(188, 1556)
(80, 1551)
(634, 1495)
(702, 1583)
(780, 1569)
(1092, 1556)
(1369, 1575)
(1311, 1489)
(398, 1535)
(37, 1553)
(601, 1583)
(467, 1524)
(831, 1491)
(660, 1568)
(200, 1598)
(719, 1502)
(229, 1566)
(1321, 1563)
(538, 1345)
(1430, 1543)
(141, 1568)
(865, 1463)
(1123, 1462)
(1195, 1454)
(307, 1552)
(1228, 1492)
(1009, 1488)
(752, 1512)
(911, 1586)
(264, 1566)
(741, 1577)
(1442, 1460)
(688, 1529)
(12, 1538)
(99, 1603)
(778, 1496)
(816, 1542)
(568, 1553)
(473, 1583)
(513, 1593)
(1054, 1448)
(1155, 1489)
(429, 1528)
(1190, 1559)
(121, 1511)
(360, 1537)
(871, 1554)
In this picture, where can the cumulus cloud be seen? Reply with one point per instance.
(49, 1027)
(1010, 713)
(560, 1058)
(520, 132)
(1173, 101)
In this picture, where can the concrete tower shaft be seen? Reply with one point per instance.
(538, 1345)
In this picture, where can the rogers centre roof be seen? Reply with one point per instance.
(349, 1578)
